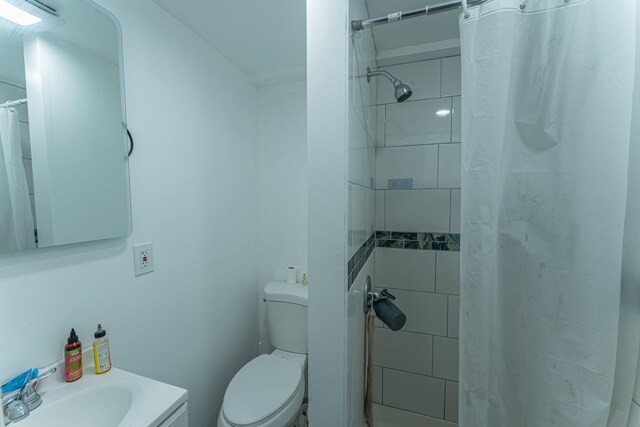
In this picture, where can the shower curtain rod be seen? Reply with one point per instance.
(361, 24)
(15, 103)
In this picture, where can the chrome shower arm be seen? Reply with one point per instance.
(371, 73)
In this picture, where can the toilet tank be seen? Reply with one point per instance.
(287, 316)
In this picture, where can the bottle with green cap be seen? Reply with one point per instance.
(101, 353)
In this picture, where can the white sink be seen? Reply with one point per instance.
(115, 399)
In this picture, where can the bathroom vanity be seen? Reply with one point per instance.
(115, 399)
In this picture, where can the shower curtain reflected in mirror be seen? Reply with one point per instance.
(16, 217)
(550, 254)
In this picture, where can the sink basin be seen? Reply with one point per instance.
(106, 407)
(115, 399)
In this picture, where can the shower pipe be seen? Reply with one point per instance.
(361, 24)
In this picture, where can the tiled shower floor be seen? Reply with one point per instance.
(385, 416)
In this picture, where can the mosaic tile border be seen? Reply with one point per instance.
(400, 240)
(425, 241)
(358, 259)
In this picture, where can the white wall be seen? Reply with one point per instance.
(192, 322)
(327, 109)
(282, 186)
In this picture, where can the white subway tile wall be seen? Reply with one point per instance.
(451, 76)
(409, 270)
(418, 164)
(377, 384)
(456, 124)
(453, 322)
(419, 149)
(404, 351)
(455, 211)
(449, 166)
(418, 210)
(418, 122)
(451, 402)
(448, 272)
(363, 136)
(445, 358)
(411, 392)
(380, 202)
(386, 416)
(417, 183)
(380, 125)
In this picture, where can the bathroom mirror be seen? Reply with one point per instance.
(64, 174)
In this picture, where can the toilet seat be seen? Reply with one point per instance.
(266, 391)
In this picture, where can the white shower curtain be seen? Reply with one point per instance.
(16, 217)
(550, 256)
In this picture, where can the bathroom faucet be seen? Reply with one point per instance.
(18, 404)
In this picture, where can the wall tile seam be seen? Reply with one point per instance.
(364, 127)
(409, 189)
(416, 332)
(367, 188)
(420, 413)
(422, 334)
(412, 101)
(418, 374)
(451, 121)
(441, 79)
(424, 414)
(451, 209)
(438, 170)
(419, 145)
(426, 144)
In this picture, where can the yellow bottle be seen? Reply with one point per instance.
(101, 353)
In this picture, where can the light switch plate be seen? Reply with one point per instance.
(143, 258)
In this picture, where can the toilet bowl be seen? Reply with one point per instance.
(269, 390)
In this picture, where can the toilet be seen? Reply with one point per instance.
(269, 390)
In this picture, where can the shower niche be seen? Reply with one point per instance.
(64, 174)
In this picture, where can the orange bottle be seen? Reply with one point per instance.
(72, 358)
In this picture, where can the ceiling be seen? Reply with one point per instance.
(257, 35)
(265, 37)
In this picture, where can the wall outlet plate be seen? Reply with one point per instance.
(143, 258)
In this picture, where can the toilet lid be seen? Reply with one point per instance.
(261, 388)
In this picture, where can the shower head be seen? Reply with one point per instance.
(402, 91)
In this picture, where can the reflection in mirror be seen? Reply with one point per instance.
(63, 149)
